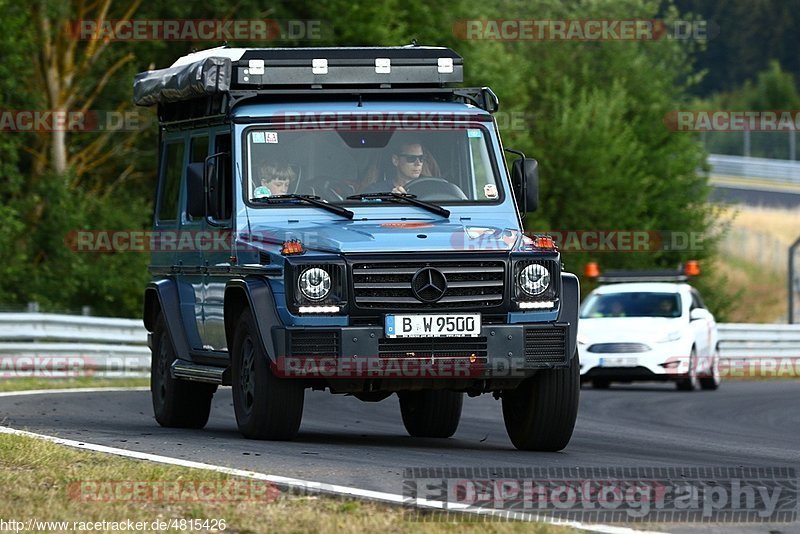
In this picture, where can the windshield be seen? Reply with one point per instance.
(632, 305)
(441, 165)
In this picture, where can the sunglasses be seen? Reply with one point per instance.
(413, 158)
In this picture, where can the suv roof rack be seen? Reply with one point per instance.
(267, 70)
(203, 87)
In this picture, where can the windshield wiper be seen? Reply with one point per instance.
(311, 199)
(404, 197)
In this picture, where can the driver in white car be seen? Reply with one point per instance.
(407, 159)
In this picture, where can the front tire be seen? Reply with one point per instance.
(176, 403)
(266, 407)
(540, 413)
(712, 382)
(691, 382)
(431, 414)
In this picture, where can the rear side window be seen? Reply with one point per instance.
(199, 149)
(171, 181)
(697, 300)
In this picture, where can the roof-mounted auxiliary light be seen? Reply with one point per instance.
(544, 241)
(691, 268)
(591, 270)
(293, 247)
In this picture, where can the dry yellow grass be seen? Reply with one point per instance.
(753, 258)
(782, 224)
(763, 293)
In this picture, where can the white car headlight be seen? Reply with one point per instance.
(669, 336)
(314, 283)
(534, 279)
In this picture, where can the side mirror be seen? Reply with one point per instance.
(195, 190)
(699, 313)
(525, 181)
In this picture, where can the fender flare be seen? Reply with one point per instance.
(253, 293)
(570, 302)
(164, 295)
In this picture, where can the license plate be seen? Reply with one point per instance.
(618, 362)
(433, 325)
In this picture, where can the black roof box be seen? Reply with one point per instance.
(223, 70)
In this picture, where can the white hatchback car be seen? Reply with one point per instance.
(648, 331)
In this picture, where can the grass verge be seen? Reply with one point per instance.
(44, 482)
(754, 261)
(49, 482)
(25, 383)
(762, 293)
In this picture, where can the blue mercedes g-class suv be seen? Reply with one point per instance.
(344, 219)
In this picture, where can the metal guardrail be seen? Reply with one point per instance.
(747, 341)
(779, 171)
(51, 345)
(39, 344)
(73, 328)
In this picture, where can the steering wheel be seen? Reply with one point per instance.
(326, 187)
(434, 188)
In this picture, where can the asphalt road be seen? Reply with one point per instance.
(755, 197)
(344, 441)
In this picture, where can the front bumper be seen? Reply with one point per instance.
(669, 361)
(501, 351)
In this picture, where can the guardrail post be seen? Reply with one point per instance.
(792, 280)
(747, 142)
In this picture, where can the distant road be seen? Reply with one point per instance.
(754, 192)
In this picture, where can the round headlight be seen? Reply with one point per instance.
(315, 283)
(534, 279)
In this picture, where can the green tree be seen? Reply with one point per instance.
(773, 89)
(593, 110)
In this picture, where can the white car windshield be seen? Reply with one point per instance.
(632, 305)
(444, 165)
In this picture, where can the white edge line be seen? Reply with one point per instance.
(296, 483)
(70, 390)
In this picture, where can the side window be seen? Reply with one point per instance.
(171, 181)
(222, 200)
(697, 301)
(198, 151)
